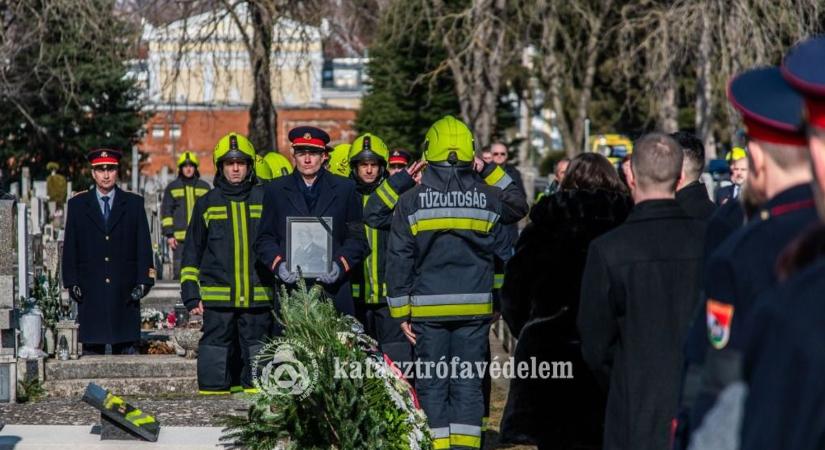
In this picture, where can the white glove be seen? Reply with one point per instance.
(286, 276)
(332, 276)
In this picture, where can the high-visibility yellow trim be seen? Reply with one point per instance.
(384, 198)
(244, 253)
(236, 247)
(387, 188)
(465, 441)
(482, 226)
(495, 176)
(112, 400)
(441, 443)
(180, 235)
(190, 270)
(200, 192)
(143, 420)
(485, 424)
(214, 213)
(215, 293)
(498, 281)
(251, 390)
(235, 389)
(167, 221)
(190, 202)
(184, 278)
(255, 211)
(399, 312)
(263, 293)
(177, 192)
(356, 290)
(213, 392)
(472, 309)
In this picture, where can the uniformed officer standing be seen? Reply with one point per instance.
(221, 278)
(107, 258)
(743, 267)
(311, 191)
(178, 202)
(440, 274)
(785, 358)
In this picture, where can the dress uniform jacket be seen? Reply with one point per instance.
(107, 260)
(218, 267)
(639, 290)
(736, 274)
(452, 217)
(337, 199)
(178, 202)
(785, 365)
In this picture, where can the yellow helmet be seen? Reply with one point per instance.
(188, 157)
(279, 165)
(446, 136)
(262, 170)
(368, 146)
(234, 145)
(339, 160)
(736, 154)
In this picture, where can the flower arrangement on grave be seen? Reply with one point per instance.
(46, 294)
(324, 408)
(151, 318)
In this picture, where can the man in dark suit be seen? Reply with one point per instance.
(738, 175)
(639, 290)
(107, 259)
(311, 191)
(691, 193)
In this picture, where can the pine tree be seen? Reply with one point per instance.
(401, 103)
(67, 87)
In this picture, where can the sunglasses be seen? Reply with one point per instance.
(499, 154)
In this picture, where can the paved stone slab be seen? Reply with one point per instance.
(81, 437)
(121, 366)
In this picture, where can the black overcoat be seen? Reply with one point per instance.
(640, 286)
(338, 199)
(107, 262)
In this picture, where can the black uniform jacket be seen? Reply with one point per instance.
(107, 262)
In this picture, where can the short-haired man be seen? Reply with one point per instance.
(692, 193)
(743, 267)
(559, 172)
(639, 289)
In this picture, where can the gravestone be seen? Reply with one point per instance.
(25, 184)
(8, 236)
(51, 256)
(40, 190)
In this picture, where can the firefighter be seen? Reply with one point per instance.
(178, 201)
(262, 171)
(368, 157)
(338, 160)
(220, 277)
(440, 272)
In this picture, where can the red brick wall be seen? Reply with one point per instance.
(201, 129)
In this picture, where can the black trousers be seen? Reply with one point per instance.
(228, 332)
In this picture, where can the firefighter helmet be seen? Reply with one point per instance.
(446, 136)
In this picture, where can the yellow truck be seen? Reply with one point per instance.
(614, 146)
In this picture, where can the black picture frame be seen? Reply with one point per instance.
(306, 239)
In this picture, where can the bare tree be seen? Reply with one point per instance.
(571, 40)
(479, 43)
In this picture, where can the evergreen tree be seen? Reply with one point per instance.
(401, 102)
(67, 88)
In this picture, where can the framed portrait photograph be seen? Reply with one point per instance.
(309, 245)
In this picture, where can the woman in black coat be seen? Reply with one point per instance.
(540, 300)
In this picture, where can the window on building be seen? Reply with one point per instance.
(158, 132)
(174, 131)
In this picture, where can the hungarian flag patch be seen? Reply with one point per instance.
(720, 316)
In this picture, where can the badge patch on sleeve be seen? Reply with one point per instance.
(719, 316)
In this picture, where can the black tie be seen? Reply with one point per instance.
(106, 209)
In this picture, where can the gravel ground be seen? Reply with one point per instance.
(172, 411)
